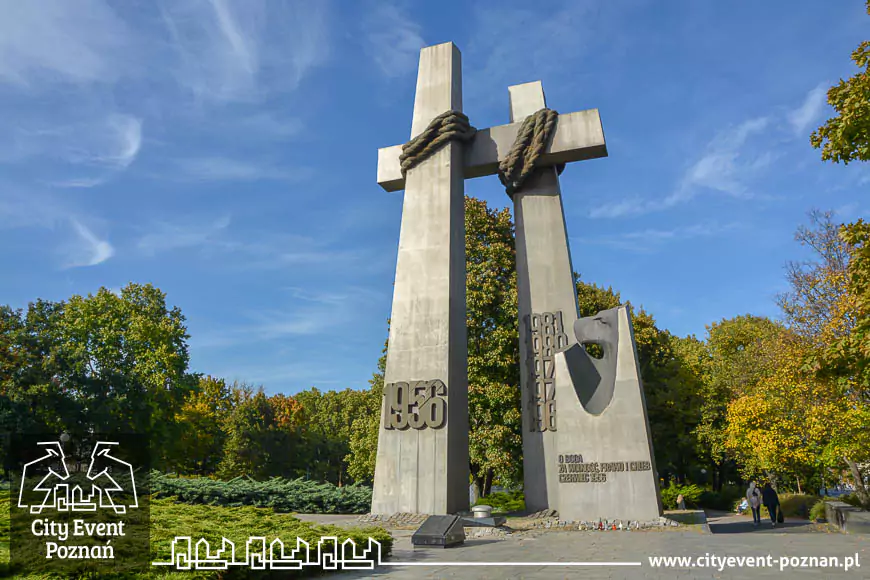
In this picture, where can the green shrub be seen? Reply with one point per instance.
(691, 494)
(817, 512)
(283, 495)
(726, 499)
(504, 502)
(794, 505)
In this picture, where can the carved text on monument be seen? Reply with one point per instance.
(546, 338)
(415, 404)
(571, 471)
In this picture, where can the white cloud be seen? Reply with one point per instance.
(51, 40)
(227, 51)
(725, 166)
(89, 249)
(811, 109)
(391, 38)
(98, 147)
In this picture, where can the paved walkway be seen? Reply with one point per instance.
(731, 536)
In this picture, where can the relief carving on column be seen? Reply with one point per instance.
(545, 337)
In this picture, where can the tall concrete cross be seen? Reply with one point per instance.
(422, 461)
(418, 469)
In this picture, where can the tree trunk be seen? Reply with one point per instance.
(798, 483)
(860, 488)
(487, 482)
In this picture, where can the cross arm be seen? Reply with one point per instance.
(578, 136)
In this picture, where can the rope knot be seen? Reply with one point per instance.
(448, 126)
(532, 140)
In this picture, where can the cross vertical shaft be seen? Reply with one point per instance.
(422, 460)
(547, 301)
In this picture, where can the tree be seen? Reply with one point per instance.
(363, 444)
(125, 358)
(845, 357)
(739, 353)
(783, 422)
(846, 137)
(202, 421)
(494, 397)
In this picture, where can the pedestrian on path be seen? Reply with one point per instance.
(753, 496)
(771, 501)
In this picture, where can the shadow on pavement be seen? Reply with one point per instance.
(735, 525)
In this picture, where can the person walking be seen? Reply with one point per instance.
(753, 496)
(771, 501)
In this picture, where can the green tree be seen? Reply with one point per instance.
(125, 357)
(846, 137)
(202, 422)
(494, 398)
(740, 354)
(363, 444)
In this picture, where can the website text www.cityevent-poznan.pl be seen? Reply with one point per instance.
(769, 561)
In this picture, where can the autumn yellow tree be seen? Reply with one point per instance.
(829, 308)
(782, 423)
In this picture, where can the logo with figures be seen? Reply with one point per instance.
(77, 503)
(106, 473)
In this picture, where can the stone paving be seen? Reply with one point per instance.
(728, 535)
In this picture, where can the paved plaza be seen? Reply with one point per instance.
(728, 535)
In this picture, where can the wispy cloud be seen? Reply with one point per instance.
(52, 40)
(226, 51)
(724, 167)
(650, 240)
(391, 38)
(811, 109)
(89, 249)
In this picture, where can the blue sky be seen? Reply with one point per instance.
(226, 152)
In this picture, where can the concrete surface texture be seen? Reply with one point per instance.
(523, 555)
(547, 303)
(422, 461)
(605, 463)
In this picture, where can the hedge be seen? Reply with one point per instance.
(282, 495)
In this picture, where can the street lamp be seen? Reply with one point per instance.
(64, 437)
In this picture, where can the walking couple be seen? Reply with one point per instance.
(768, 498)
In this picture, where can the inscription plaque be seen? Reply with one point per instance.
(546, 337)
(572, 469)
(415, 404)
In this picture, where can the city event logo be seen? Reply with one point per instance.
(57, 492)
(55, 487)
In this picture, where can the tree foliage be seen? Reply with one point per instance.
(846, 137)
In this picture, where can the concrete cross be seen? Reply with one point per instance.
(424, 469)
(578, 136)
(422, 461)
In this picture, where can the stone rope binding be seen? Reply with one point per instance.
(532, 140)
(448, 126)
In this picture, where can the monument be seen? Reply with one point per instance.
(422, 461)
